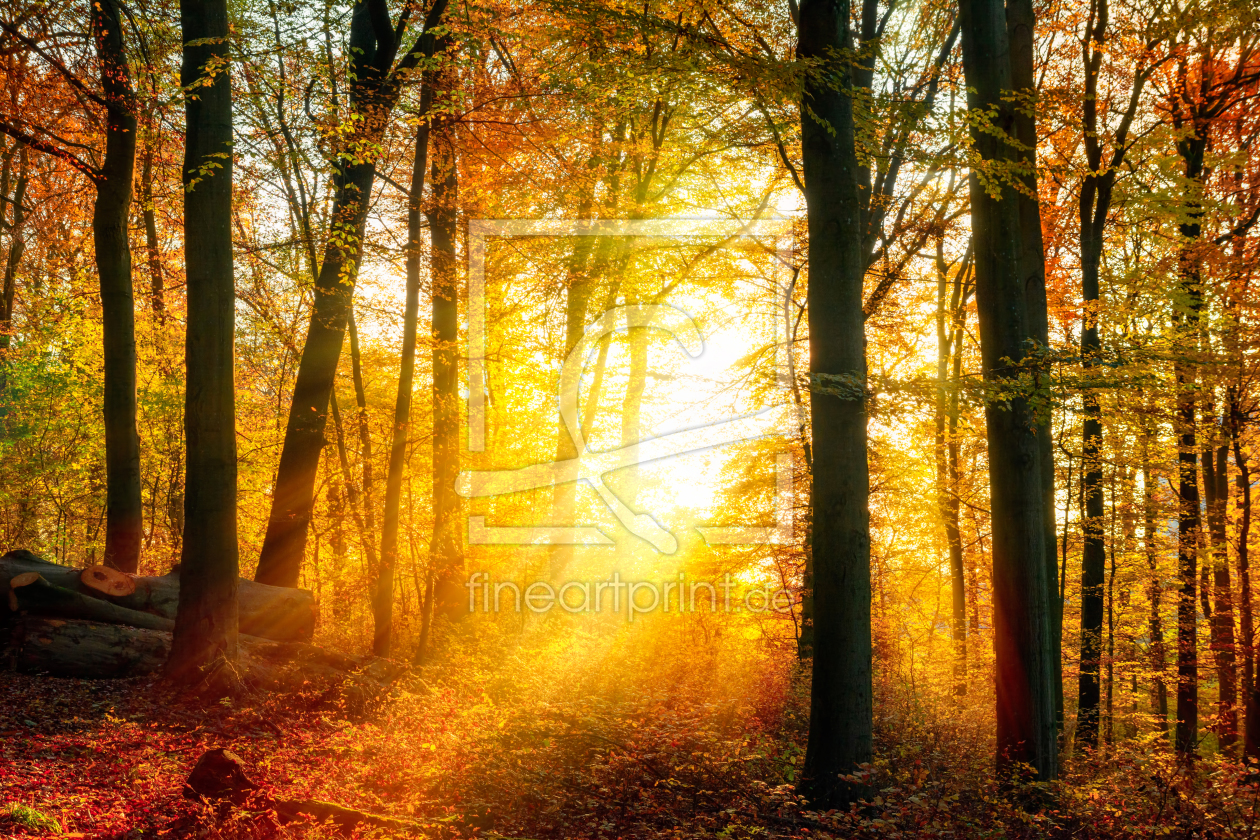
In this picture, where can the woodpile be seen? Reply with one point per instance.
(269, 612)
(99, 623)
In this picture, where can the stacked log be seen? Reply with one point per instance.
(99, 623)
(95, 650)
(269, 612)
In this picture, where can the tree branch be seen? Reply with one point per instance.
(50, 149)
(74, 80)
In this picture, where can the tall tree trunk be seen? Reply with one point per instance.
(157, 281)
(1216, 491)
(1158, 654)
(1251, 694)
(207, 619)
(12, 260)
(124, 528)
(445, 554)
(373, 96)
(840, 725)
(1093, 566)
(1097, 189)
(1186, 316)
(1021, 24)
(383, 605)
(1109, 732)
(1022, 625)
(949, 346)
(1187, 553)
(577, 296)
(365, 439)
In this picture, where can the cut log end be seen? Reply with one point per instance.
(108, 581)
(24, 579)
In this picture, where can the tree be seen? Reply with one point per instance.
(375, 87)
(840, 727)
(1094, 207)
(1023, 640)
(383, 596)
(205, 635)
(110, 221)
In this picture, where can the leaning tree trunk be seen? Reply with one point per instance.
(373, 96)
(383, 600)
(206, 624)
(840, 724)
(1022, 626)
(110, 218)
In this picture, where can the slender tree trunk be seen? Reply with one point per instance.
(445, 554)
(352, 488)
(1158, 654)
(1251, 694)
(1187, 553)
(206, 622)
(949, 344)
(14, 259)
(1109, 733)
(1216, 491)
(367, 525)
(1093, 567)
(1186, 317)
(840, 725)
(157, 281)
(1022, 623)
(124, 528)
(383, 609)
(577, 295)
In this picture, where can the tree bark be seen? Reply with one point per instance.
(373, 95)
(124, 529)
(949, 357)
(1023, 629)
(206, 624)
(36, 595)
(1221, 626)
(1020, 22)
(94, 650)
(1158, 654)
(1186, 317)
(1251, 697)
(12, 260)
(840, 726)
(153, 249)
(271, 612)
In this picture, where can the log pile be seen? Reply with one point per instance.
(99, 623)
(269, 612)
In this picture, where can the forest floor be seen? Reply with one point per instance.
(108, 759)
